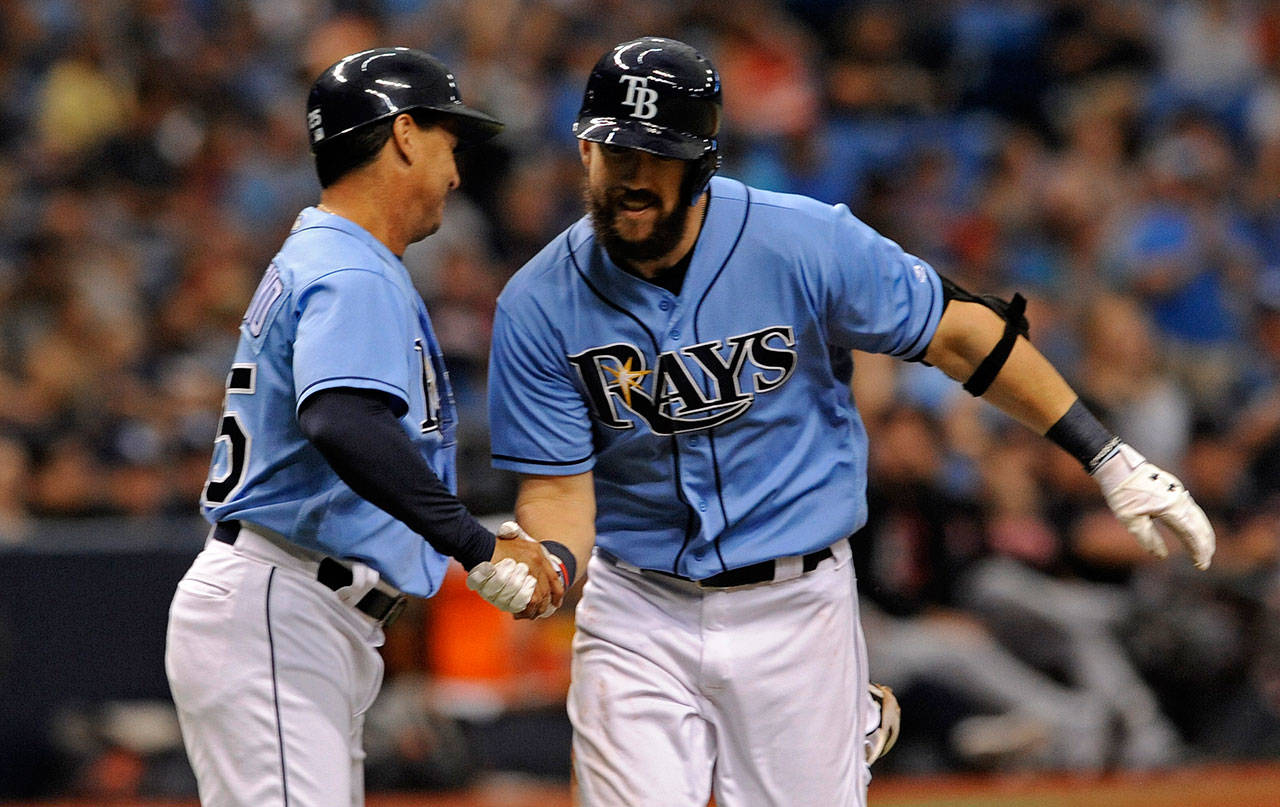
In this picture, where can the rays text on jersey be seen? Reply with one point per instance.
(696, 387)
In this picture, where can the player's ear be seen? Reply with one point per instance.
(584, 151)
(403, 138)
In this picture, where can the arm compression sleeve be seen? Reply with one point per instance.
(359, 435)
(1084, 437)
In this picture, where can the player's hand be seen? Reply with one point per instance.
(522, 577)
(885, 733)
(559, 582)
(507, 585)
(1153, 505)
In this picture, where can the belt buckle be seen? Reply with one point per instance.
(394, 612)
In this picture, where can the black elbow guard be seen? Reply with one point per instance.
(1014, 314)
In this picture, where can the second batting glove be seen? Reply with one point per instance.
(1152, 504)
(505, 584)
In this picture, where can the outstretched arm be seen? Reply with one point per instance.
(1150, 502)
(1027, 388)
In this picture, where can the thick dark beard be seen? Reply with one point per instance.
(667, 231)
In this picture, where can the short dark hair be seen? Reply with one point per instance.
(339, 156)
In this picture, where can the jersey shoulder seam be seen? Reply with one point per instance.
(759, 203)
(563, 262)
(381, 275)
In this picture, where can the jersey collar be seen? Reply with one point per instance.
(315, 217)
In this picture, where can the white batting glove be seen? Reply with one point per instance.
(363, 579)
(511, 529)
(882, 736)
(505, 584)
(1153, 505)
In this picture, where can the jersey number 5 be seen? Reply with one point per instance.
(235, 439)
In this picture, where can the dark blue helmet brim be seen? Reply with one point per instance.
(638, 134)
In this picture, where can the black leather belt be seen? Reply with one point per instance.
(332, 574)
(761, 572)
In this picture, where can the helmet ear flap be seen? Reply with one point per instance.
(699, 175)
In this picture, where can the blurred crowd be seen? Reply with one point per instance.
(1116, 161)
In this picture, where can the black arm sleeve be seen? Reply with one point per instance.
(359, 435)
(1084, 437)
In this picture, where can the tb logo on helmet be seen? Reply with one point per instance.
(639, 97)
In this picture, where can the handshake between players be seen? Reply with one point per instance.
(524, 577)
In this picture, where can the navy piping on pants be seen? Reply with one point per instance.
(275, 692)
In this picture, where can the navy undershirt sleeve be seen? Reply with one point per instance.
(359, 434)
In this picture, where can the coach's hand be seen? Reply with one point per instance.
(1153, 505)
(522, 578)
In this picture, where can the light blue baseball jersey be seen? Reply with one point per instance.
(718, 432)
(335, 308)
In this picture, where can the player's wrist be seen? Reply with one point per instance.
(1112, 473)
(1082, 435)
(565, 556)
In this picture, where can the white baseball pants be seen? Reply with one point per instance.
(753, 693)
(271, 675)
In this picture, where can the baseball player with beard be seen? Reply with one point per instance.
(332, 480)
(662, 379)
